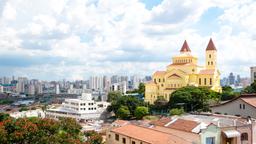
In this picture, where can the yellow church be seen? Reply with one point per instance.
(184, 71)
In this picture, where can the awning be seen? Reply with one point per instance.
(232, 133)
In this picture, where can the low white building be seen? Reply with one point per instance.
(82, 108)
(30, 113)
(1, 89)
(244, 106)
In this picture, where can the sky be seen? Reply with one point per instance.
(75, 39)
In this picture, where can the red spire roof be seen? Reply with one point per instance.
(211, 45)
(185, 47)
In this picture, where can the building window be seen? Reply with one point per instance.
(208, 63)
(210, 140)
(117, 137)
(210, 81)
(211, 63)
(109, 136)
(243, 106)
(244, 137)
(124, 141)
(155, 80)
(204, 81)
(159, 80)
(240, 106)
(133, 142)
(210, 55)
(163, 80)
(199, 81)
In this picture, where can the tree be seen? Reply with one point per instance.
(4, 116)
(176, 111)
(36, 130)
(251, 88)
(227, 93)
(141, 89)
(123, 112)
(140, 112)
(114, 95)
(93, 137)
(193, 98)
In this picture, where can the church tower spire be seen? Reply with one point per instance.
(185, 47)
(211, 55)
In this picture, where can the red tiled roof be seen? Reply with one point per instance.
(251, 100)
(160, 73)
(211, 45)
(248, 98)
(183, 125)
(148, 135)
(121, 122)
(175, 75)
(207, 71)
(185, 47)
(161, 122)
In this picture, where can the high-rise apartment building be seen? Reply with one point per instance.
(253, 74)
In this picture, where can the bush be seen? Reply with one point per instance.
(140, 112)
(123, 112)
(176, 111)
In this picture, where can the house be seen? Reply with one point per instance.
(244, 106)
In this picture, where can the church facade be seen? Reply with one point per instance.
(184, 71)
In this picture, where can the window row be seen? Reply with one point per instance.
(123, 139)
(205, 81)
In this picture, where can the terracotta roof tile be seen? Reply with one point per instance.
(161, 122)
(183, 125)
(160, 73)
(185, 47)
(148, 135)
(211, 45)
(207, 71)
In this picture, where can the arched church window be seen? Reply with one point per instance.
(210, 56)
(208, 63)
(211, 63)
(199, 81)
(204, 81)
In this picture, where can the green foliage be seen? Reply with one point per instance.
(4, 116)
(193, 98)
(130, 102)
(93, 137)
(176, 111)
(37, 131)
(114, 95)
(251, 88)
(123, 112)
(227, 93)
(4, 101)
(23, 109)
(160, 106)
(140, 112)
(140, 90)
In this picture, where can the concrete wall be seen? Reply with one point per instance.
(233, 108)
(211, 131)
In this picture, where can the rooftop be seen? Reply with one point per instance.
(148, 135)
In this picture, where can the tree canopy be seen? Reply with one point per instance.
(251, 88)
(38, 131)
(125, 104)
(140, 112)
(193, 98)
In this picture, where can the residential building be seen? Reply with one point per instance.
(82, 108)
(231, 79)
(57, 89)
(121, 86)
(244, 106)
(31, 89)
(253, 74)
(96, 83)
(1, 88)
(184, 71)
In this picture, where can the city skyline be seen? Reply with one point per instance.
(74, 40)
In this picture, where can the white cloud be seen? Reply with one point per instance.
(122, 37)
